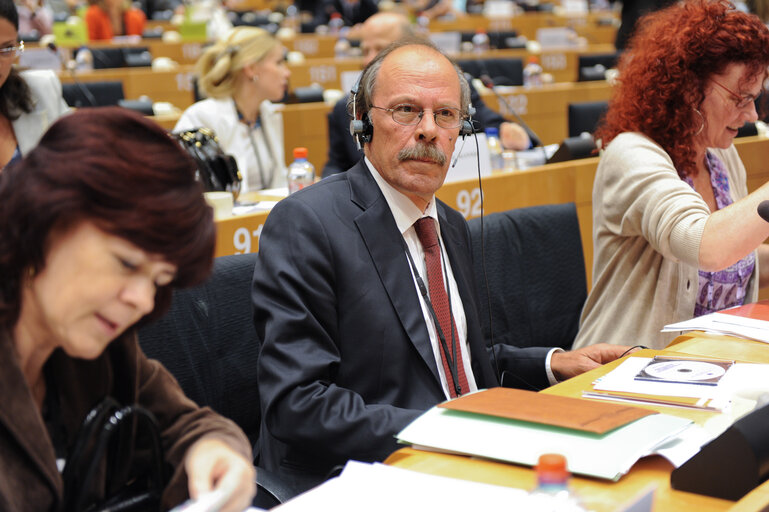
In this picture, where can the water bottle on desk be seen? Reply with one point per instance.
(532, 73)
(552, 493)
(335, 23)
(84, 59)
(301, 173)
(495, 149)
(480, 41)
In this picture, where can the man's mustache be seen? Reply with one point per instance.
(421, 152)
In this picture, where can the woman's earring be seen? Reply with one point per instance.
(255, 78)
(702, 126)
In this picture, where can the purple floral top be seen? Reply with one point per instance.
(725, 288)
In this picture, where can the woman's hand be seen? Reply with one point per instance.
(212, 465)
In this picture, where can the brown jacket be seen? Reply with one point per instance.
(29, 479)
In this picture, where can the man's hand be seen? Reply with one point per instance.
(566, 365)
(513, 136)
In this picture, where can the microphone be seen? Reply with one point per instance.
(70, 66)
(763, 210)
(487, 82)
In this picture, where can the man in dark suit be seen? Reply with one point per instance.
(351, 349)
(377, 32)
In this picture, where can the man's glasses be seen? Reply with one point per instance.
(409, 115)
(12, 51)
(740, 102)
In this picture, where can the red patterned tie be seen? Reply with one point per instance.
(428, 237)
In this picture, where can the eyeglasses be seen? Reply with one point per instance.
(739, 101)
(12, 51)
(409, 115)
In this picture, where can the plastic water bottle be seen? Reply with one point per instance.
(532, 73)
(480, 41)
(335, 23)
(341, 47)
(301, 173)
(423, 23)
(552, 493)
(84, 59)
(495, 149)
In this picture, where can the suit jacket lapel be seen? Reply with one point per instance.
(385, 244)
(22, 419)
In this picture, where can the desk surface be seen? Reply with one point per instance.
(597, 494)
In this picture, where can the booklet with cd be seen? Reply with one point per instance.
(684, 371)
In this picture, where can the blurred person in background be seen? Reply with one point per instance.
(29, 101)
(106, 19)
(242, 74)
(675, 232)
(35, 18)
(98, 224)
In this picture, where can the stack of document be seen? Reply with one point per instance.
(518, 426)
(750, 321)
(740, 386)
(377, 487)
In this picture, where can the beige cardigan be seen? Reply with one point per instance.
(647, 229)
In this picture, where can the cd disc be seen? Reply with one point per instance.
(687, 371)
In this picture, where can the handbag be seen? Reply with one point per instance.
(217, 170)
(116, 463)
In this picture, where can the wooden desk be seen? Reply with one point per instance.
(562, 64)
(600, 495)
(545, 109)
(171, 86)
(528, 23)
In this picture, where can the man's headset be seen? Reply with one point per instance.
(362, 130)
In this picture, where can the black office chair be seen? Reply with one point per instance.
(584, 117)
(208, 342)
(593, 67)
(501, 71)
(498, 39)
(92, 94)
(107, 58)
(535, 270)
(747, 130)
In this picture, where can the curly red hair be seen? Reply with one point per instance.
(663, 74)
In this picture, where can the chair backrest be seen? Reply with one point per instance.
(208, 342)
(535, 270)
(107, 58)
(501, 71)
(585, 116)
(92, 94)
(592, 67)
(499, 39)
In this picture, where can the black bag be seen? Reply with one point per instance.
(217, 170)
(116, 463)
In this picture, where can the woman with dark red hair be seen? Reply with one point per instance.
(98, 224)
(675, 232)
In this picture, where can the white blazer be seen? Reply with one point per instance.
(48, 104)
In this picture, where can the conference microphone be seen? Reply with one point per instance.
(763, 210)
(487, 82)
(70, 66)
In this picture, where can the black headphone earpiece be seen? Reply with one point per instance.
(360, 129)
(466, 128)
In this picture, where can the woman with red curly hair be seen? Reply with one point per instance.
(675, 232)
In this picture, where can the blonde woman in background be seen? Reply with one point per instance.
(242, 74)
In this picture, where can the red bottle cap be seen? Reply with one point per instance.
(552, 468)
(300, 153)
